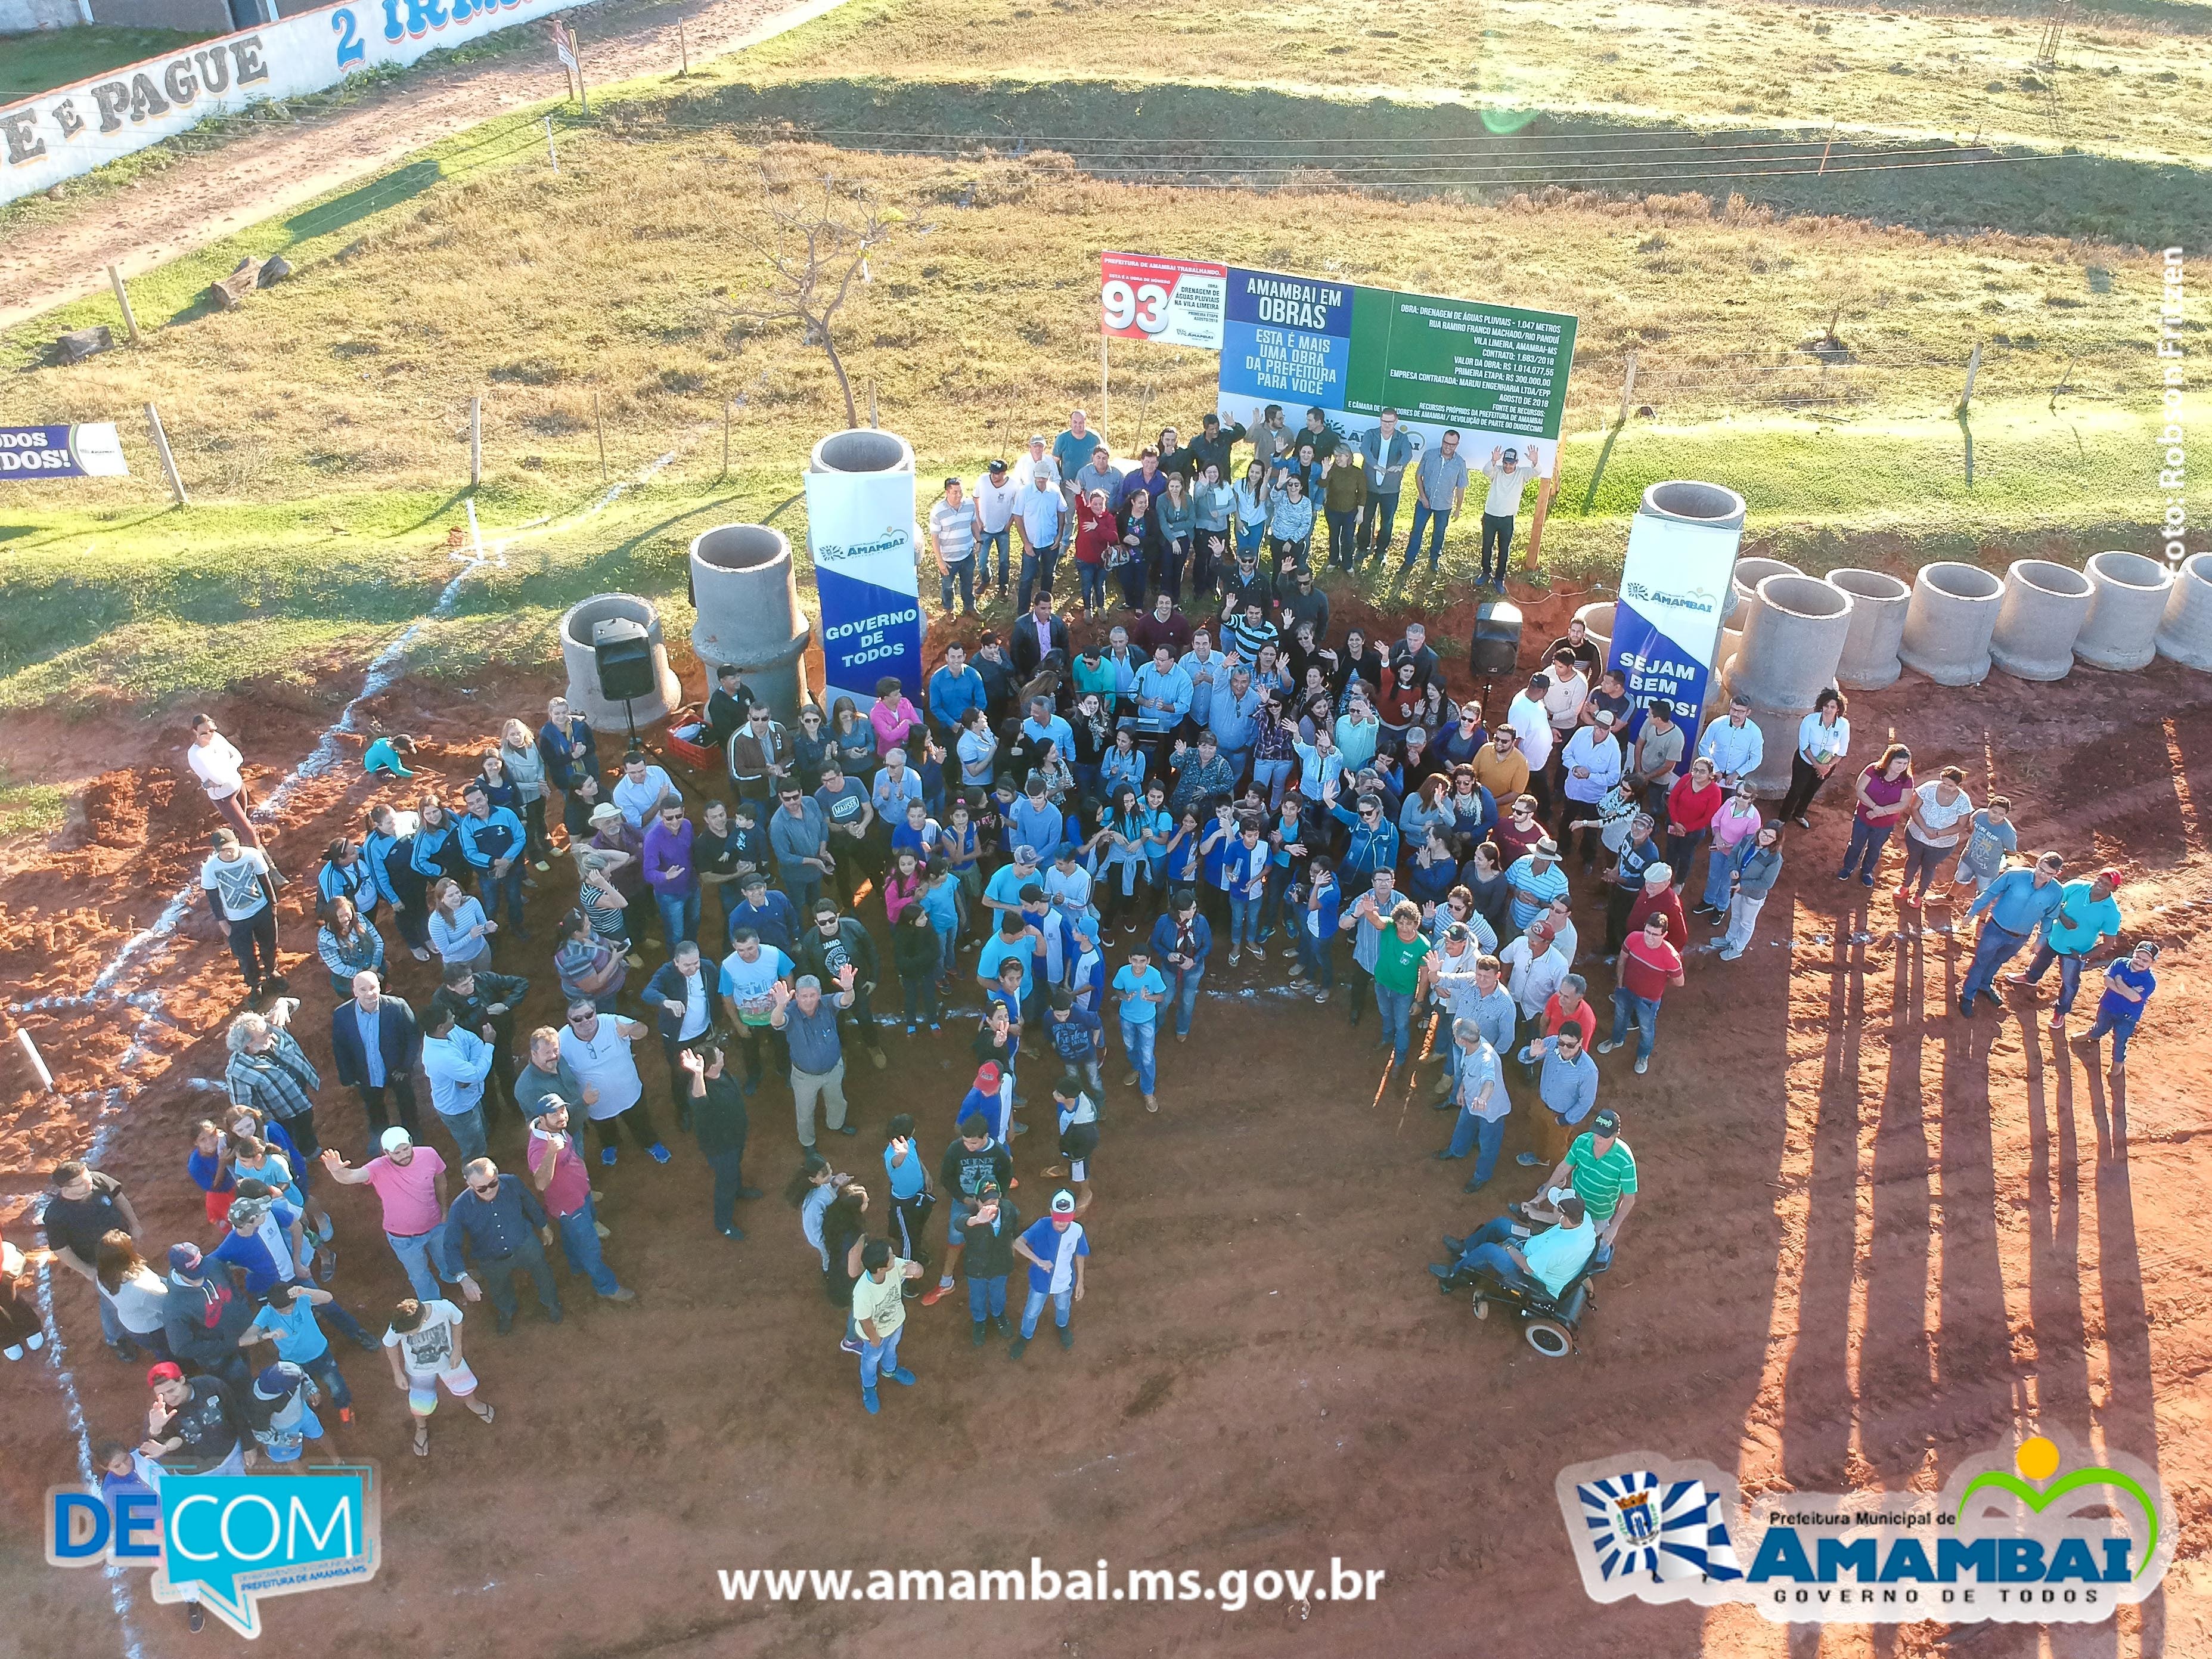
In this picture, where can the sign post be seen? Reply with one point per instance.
(168, 461)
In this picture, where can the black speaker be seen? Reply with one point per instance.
(624, 657)
(1496, 647)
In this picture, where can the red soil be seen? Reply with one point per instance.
(1872, 1240)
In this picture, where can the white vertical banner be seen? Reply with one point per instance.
(1667, 622)
(860, 530)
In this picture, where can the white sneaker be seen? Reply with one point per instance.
(1643, 1065)
(13, 1350)
(36, 1339)
(1608, 1046)
(1729, 955)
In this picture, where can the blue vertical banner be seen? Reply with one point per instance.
(860, 530)
(1667, 622)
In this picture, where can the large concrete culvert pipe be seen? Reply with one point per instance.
(746, 589)
(1688, 501)
(2120, 632)
(1949, 623)
(605, 713)
(1878, 605)
(2184, 633)
(2040, 618)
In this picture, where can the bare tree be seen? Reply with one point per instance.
(819, 235)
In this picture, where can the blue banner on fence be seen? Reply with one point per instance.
(1285, 340)
(859, 528)
(1667, 622)
(91, 451)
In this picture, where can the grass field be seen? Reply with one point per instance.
(45, 58)
(322, 430)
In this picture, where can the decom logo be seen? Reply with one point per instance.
(226, 1541)
(2008, 1540)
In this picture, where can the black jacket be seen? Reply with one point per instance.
(191, 1339)
(399, 1040)
(719, 1120)
(1203, 452)
(990, 1253)
(814, 956)
(469, 1011)
(1028, 657)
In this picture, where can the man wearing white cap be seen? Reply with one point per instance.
(411, 1181)
(1055, 1247)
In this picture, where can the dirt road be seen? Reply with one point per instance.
(1872, 1239)
(252, 178)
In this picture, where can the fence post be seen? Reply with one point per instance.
(553, 153)
(476, 441)
(168, 461)
(583, 95)
(871, 400)
(726, 437)
(602, 427)
(1973, 368)
(684, 46)
(123, 299)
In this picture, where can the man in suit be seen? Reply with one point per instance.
(1038, 635)
(376, 1041)
(682, 996)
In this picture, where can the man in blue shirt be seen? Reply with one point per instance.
(2018, 902)
(953, 691)
(1040, 723)
(1230, 717)
(456, 1060)
(1033, 820)
(2086, 917)
(500, 1222)
(767, 913)
(1733, 744)
(491, 841)
(1074, 448)
(1163, 694)
(1373, 844)
(1181, 941)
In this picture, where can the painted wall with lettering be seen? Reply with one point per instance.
(61, 134)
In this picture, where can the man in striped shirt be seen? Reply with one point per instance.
(953, 528)
(1535, 880)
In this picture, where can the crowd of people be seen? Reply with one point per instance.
(1088, 815)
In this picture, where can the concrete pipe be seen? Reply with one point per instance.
(862, 449)
(1597, 622)
(2040, 618)
(2184, 633)
(746, 589)
(1791, 643)
(2124, 612)
(1878, 604)
(1725, 653)
(606, 714)
(1686, 500)
(1949, 623)
(1743, 588)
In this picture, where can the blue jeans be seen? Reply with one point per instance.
(491, 889)
(1377, 519)
(876, 1357)
(467, 1129)
(1249, 535)
(1271, 778)
(1865, 851)
(1644, 1011)
(802, 885)
(2069, 974)
(986, 1298)
(964, 574)
(1063, 1305)
(2120, 1034)
(344, 1323)
(1720, 877)
(1037, 571)
(1318, 955)
(1920, 862)
(579, 1243)
(1004, 541)
(1992, 949)
(1093, 579)
(413, 1256)
(1396, 1008)
(1139, 1036)
(1244, 920)
(1186, 998)
(1471, 1132)
(1423, 517)
(679, 918)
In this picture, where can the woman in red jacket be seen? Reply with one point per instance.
(1097, 530)
(1691, 805)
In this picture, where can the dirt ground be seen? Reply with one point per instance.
(258, 175)
(1872, 1240)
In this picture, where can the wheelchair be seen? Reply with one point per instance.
(1549, 1324)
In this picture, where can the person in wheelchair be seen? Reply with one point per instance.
(1522, 1260)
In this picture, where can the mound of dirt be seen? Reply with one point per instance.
(115, 808)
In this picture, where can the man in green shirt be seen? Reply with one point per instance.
(880, 1312)
(1398, 954)
(1600, 1170)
